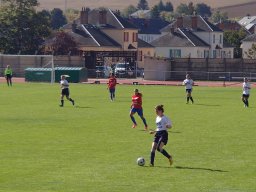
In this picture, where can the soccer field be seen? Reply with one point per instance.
(92, 148)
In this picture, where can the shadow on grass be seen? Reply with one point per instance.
(207, 105)
(199, 168)
(190, 168)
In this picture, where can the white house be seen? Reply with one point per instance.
(247, 44)
(194, 37)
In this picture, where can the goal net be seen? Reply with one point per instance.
(20, 63)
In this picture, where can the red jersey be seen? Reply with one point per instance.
(112, 83)
(137, 101)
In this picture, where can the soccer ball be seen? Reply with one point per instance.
(141, 161)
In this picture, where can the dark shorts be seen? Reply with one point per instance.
(161, 136)
(8, 76)
(139, 111)
(245, 96)
(65, 92)
(112, 90)
(188, 90)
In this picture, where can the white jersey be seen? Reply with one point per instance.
(64, 84)
(188, 83)
(162, 122)
(246, 88)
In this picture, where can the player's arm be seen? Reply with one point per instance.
(168, 124)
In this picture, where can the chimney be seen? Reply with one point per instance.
(194, 22)
(74, 26)
(84, 14)
(102, 17)
(172, 29)
(180, 22)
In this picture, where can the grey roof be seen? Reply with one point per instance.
(149, 26)
(142, 43)
(202, 25)
(247, 20)
(179, 38)
(250, 38)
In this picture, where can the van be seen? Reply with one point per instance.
(120, 69)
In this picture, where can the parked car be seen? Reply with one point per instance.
(103, 71)
(120, 69)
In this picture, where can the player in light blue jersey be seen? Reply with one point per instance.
(188, 82)
(163, 123)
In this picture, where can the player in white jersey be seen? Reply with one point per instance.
(246, 92)
(65, 91)
(188, 82)
(163, 123)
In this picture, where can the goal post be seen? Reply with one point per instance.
(19, 63)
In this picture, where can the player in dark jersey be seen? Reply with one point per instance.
(112, 87)
(136, 107)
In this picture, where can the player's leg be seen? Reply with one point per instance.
(111, 93)
(191, 98)
(68, 98)
(114, 93)
(187, 96)
(247, 100)
(132, 112)
(10, 79)
(152, 154)
(7, 80)
(140, 113)
(163, 141)
(243, 99)
(62, 100)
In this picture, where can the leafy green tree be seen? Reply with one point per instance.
(161, 6)
(155, 13)
(128, 11)
(234, 37)
(251, 53)
(143, 4)
(182, 9)
(22, 28)
(169, 6)
(58, 19)
(63, 44)
(71, 15)
(219, 16)
(203, 9)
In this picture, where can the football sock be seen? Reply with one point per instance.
(152, 157)
(247, 103)
(244, 101)
(133, 120)
(187, 99)
(192, 99)
(62, 102)
(111, 96)
(144, 121)
(114, 95)
(165, 154)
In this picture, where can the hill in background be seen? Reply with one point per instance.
(234, 8)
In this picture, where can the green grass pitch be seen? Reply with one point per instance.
(92, 147)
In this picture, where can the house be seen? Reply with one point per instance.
(192, 37)
(249, 22)
(149, 29)
(247, 44)
(104, 37)
(146, 14)
(230, 25)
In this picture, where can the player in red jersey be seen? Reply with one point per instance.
(136, 107)
(112, 86)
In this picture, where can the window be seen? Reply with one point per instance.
(126, 36)
(175, 53)
(220, 39)
(213, 38)
(206, 54)
(140, 55)
(214, 54)
(134, 37)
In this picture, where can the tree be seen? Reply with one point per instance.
(161, 6)
(58, 19)
(155, 13)
(169, 6)
(182, 9)
(218, 16)
(234, 37)
(128, 11)
(71, 15)
(203, 10)
(63, 44)
(143, 4)
(22, 28)
(251, 53)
